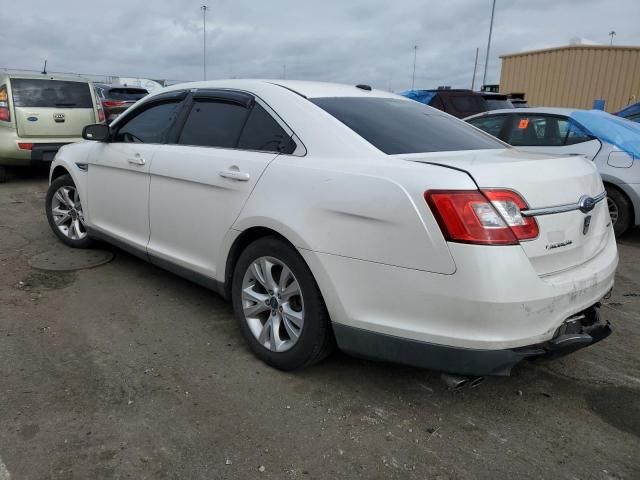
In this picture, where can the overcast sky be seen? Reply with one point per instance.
(351, 41)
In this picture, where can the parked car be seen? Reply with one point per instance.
(331, 212)
(457, 102)
(552, 131)
(117, 98)
(40, 113)
(518, 100)
(496, 101)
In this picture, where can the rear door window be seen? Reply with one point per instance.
(492, 124)
(572, 132)
(50, 93)
(151, 125)
(262, 132)
(213, 123)
(397, 126)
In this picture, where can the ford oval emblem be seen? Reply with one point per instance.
(32, 119)
(586, 204)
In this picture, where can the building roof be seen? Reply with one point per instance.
(574, 47)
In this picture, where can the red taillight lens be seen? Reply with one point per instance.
(113, 103)
(470, 216)
(100, 115)
(25, 146)
(5, 115)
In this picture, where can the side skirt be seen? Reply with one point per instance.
(195, 277)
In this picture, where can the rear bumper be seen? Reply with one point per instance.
(575, 333)
(43, 150)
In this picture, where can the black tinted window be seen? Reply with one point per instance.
(213, 124)
(126, 93)
(404, 126)
(50, 93)
(262, 132)
(492, 124)
(468, 103)
(538, 131)
(498, 104)
(151, 125)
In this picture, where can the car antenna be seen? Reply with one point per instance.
(44, 70)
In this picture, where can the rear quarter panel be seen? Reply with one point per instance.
(373, 211)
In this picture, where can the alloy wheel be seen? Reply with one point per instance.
(66, 210)
(272, 304)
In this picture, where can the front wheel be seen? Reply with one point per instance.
(619, 210)
(65, 213)
(280, 309)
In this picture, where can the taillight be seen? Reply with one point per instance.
(100, 114)
(25, 146)
(491, 217)
(5, 115)
(113, 103)
(510, 205)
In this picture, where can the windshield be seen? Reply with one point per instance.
(50, 93)
(397, 126)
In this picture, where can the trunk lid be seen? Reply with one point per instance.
(51, 108)
(567, 239)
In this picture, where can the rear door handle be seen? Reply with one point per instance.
(136, 160)
(235, 175)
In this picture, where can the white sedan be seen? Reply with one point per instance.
(340, 214)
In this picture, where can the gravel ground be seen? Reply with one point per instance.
(127, 371)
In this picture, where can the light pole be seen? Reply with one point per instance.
(486, 60)
(612, 34)
(204, 40)
(413, 76)
(475, 68)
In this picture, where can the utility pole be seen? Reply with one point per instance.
(486, 60)
(612, 34)
(204, 41)
(413, 77)
(475, 68)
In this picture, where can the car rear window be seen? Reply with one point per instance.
(468, 103)
(126, 93)
(397, 126)
(29, 92)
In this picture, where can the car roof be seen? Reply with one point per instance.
(42, 76)
(305, 88)
(551, 110)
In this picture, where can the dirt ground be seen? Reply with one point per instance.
(127, 371)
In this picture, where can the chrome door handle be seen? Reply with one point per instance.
(235, 175)
(136, 160)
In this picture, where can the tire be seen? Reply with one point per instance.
(63, 223)
(315, 338)
(619, 209)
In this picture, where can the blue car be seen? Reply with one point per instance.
(631, 112)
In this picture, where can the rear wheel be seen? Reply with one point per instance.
(619, 210)
(65, 213)
(280, 309)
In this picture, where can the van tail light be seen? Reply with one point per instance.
(481, 217)
(5, 115)
(25, 146)
(100, 113)
(114, 103)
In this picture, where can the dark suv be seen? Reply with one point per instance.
(457, 102)
(116, 98)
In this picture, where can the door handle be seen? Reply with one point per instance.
(136, 160)
(235, 175)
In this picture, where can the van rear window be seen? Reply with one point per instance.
(29, 92)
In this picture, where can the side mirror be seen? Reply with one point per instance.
(98, 132)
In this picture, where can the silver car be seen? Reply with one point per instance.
(550, 130)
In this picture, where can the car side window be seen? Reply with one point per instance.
(151, 125)
(536, 131)
(572, 132)
(262, 132)
(492, 124)
(213, 123)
